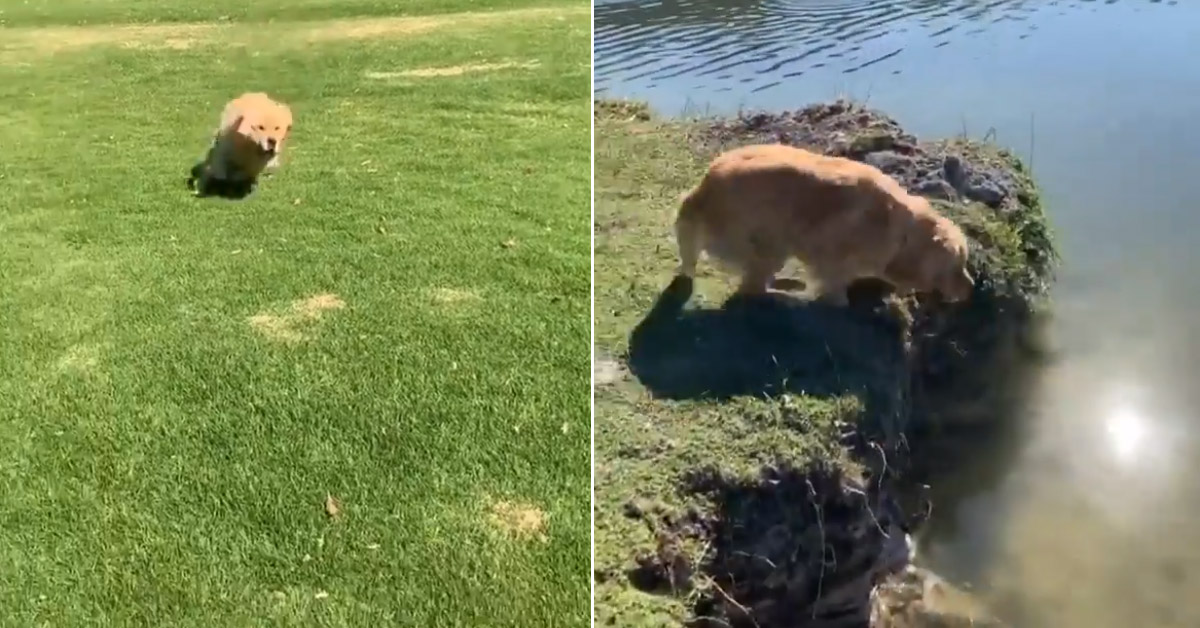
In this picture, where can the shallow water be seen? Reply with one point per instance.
(1086, 511)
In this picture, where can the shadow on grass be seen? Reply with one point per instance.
(766, 346)
(229, 190)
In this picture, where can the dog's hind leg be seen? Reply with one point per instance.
(688, 235)
(689, 248)
(758, 274)
(755, 281)
(194, 176)
(201, 172)
(200, 179)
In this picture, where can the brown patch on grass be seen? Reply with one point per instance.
(18, 45)
(453, 296)
(523, 521)
(56, 39)
(171, 43)
(82, 357)
(286, 327)
(314, 306)
(275, 327)
(452, 70)
(402, 26)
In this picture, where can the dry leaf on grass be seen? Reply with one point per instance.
(332, 507)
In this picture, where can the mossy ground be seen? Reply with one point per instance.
(713, 388)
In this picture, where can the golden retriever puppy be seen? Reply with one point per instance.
(249, 139)
(758, 206)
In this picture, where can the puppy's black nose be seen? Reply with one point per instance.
(271, 143)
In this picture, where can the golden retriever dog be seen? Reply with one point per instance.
(249, 139)
(758, 206)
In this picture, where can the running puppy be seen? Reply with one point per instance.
(248, 140)
(758, 206)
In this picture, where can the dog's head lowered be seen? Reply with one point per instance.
(936, 255)
(267, 124)
(952, 278)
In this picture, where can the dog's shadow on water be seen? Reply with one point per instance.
(765, 345)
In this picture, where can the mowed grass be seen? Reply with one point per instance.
(398, 319)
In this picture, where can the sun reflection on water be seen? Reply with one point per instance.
(1127, 429)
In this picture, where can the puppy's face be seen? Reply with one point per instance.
(933, 259)
(267, 125)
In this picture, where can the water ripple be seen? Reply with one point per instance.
(740, 42)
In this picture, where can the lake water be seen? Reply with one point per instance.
(1086, 513)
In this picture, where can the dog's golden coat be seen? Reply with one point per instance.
(758, 206)
(249, 138)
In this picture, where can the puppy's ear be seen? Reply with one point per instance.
(244, 125)
(234, 124)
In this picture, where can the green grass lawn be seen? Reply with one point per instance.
(397, 319)
(54, 12)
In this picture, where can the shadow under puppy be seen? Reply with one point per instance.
(248, 141)
(760, 205)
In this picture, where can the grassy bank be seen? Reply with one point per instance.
(397, 320)
(716, 425)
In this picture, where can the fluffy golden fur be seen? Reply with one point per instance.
(249, 139)
(758, 206)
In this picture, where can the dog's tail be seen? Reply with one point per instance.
(689, 230)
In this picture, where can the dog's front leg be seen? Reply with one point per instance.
(756, 280)
(195, 175)
(212, 176)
